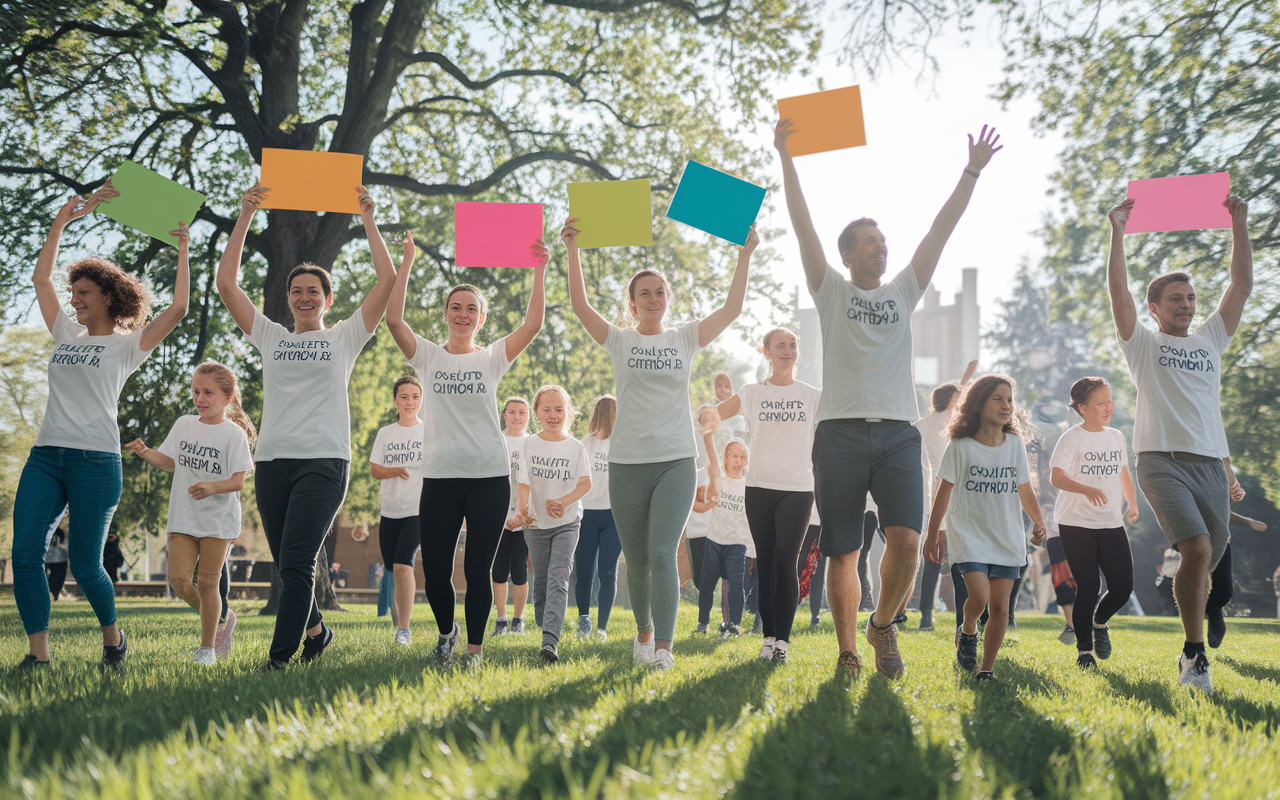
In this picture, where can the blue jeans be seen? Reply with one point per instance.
(598, 542)
(728, 561)
(54, 477)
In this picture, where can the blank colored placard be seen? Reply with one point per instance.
(715, 202)
(823, 121)
(496, 234)
(1182, 203)
(612, 213)
(306, 180)
(151, 203)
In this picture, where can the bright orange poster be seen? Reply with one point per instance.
(822, 121)
(306, 180)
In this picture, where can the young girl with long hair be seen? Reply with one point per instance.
(208, 454)
(598, 542)
(76, 458)
(651, 466)
(554, 476)
(511, 561)
(983, 488)
(1090, 467)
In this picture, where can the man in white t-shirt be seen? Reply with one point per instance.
(1178, 433)
(864, 440)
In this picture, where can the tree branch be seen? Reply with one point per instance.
(487, 182)
(625, 6)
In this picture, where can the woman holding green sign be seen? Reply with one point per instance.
(651, 461)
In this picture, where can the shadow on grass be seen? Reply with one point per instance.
(1251, 669)
(1246, 713)
(1154, 694)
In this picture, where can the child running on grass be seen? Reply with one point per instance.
(983, 480)
(208, 454)
(554, 475)
(727, 541)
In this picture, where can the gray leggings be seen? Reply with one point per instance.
(650, 505)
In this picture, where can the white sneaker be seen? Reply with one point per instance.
(766, 650)
(222, 640)
(601, 635)
(1194, 672)
(663, 660)
(205, 656)
(584, 627)
(403, 636)
(642, 653)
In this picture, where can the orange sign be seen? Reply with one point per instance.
(306, 180)
(823, 121)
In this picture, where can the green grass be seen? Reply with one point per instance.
(369, 720)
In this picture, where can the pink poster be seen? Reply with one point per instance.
(496, 234)
(1183, 203)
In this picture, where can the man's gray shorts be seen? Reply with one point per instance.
(1189, 495)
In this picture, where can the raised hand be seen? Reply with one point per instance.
(539, 249)
(753, 239)
(252, 199)
(410, 249)
(569, 233)
(183, 236)
(366, 202)
(1239, 210)
(708, 419)
(981, 151)
(1119, 215)
(136, 446)
(781, 132)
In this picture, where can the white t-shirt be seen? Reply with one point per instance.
(932, 427)
(729, 517)
(699, 521)
(735, 425)
(866, 348)
(399, 446)
(552, 470)
(984, 517)
(515, 450)
(1094, 459)
(598, 454)
(651, 375)
(463, 439)
(781, 422)
(304, 388)
(1178, 409)
(200, 453)
(86, 374)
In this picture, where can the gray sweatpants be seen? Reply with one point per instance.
(1189, 495)
(551, 551)
(650, 505)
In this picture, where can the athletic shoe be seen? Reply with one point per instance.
(1068, 635)
(1194, 672)
(1102, 642)
(900, 620)
(205, 656)
(403, 636)
(1086, 661)
(113, 656)
(885, 643)
(1217, 628)
(815, 624)
(849, 663)
(758, 627)
(985, 675)
(731, 631)
(500, 628)
(701, 629)
(724, 626)
(967, 651)
(444, 648)
(473, 662)
(517, 626)
(273, 665)
(222, 639)
(926, 622)
(313, 646)
(766, 651)
(779, 655)
(549, 653)
(1013, 626)
(663, 660)
(601, 635)
(584, 627)
(642, 652)
(30, 662)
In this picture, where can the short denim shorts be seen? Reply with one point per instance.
(990, 570)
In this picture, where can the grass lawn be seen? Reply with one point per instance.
(369, 719)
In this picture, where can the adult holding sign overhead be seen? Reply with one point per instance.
(864, 440)
(303, 456)
(652, 476)
(76, 458)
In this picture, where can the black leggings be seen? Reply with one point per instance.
(1220, 584)
(511, 560)
(778, 522)
(1088, 551)
(929, 574)
(870, 525)
(697, 549)
(446, 502)
(399, 540)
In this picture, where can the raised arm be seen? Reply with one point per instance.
(228, 279)
(596, 325)
(968, 372)
(162, 324)
(42, 275)
(520, 338)
(400, 330)
(714, 323)
(375, 302)
(925, 260)
(811, 256)
(1232, 304)
(1123, 310)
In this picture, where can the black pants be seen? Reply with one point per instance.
(57, 577)
(511, 560)
(778, 522)
(1220, 584)
(870, 524)
(446, 502)
(727, 561)
(697, 550)
(1088, 552)
(399, 540)
(929, 574)
(298, 499)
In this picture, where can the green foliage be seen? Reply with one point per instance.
(23, 354)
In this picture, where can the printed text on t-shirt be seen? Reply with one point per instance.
(992, 480)
(402, 453)
(552, 469)
(469, 382)
(1104, 463)
(1188, 361)
(879, 312)
(74, 355)
(308, 350)
(782, 411)
(200, 457)
(655, 358)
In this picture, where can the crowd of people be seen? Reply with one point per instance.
(791, 485)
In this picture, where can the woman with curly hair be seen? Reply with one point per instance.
(76, 457)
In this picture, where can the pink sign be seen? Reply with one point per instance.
(1184, 203)
(496, 234)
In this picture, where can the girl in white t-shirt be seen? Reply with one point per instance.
(1090, 466)
(396, 461)
(76, 457)
(511, 561)
(465, 469)
(728, 544)
(208, 454)
(303, 455)
(983, 488)
(652, 474)
(554, 475)
(598, 542)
